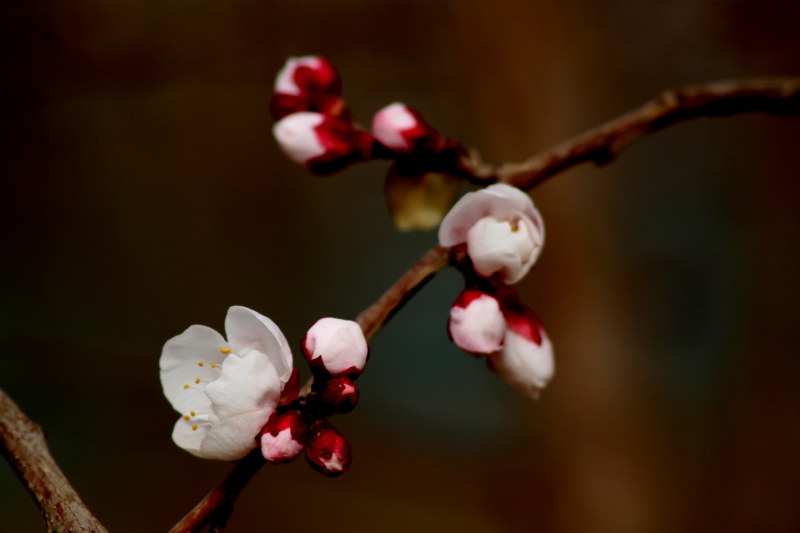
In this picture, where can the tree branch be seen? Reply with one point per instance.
(777, 96)
(376, 315)
(24, 445)
(217, 504)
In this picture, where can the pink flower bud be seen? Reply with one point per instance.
(340, 394)
(284, 437)
(402, 129)
(476, 323)
(526, 359)
(335, 347)
(309, 83)
(327, 451)
(322, 143)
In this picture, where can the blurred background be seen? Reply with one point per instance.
(142, 192)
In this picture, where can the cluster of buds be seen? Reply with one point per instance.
(230, 390)
(314, 125)
(500, 233)
(336, 352)
(497, 325)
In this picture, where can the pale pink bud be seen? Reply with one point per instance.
(284, 437)
(321, 143)
(502, 229)
(308, 83)
(402, 129)
(526, 359)
(476, 323)
(335, 347)
(327, 451)
(340, 394)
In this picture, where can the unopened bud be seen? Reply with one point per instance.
(476, 323)
(284, 437)
(526, 358)
(335, 347)
(402, 129)
(327, 451)
(322, 143)
(340, 394)
(309, 83)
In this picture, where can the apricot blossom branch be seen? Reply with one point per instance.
(23, 443)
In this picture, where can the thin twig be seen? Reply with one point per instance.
(217, 503)
(376, 315)
(777, 96)
(24, 445)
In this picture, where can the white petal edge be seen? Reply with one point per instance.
(499, 200)
(248, 330)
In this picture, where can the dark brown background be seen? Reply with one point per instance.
(142, 192)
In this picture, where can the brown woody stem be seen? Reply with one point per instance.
(24, 445)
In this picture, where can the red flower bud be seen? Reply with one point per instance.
(322, 143)
(309, 83)
(402, 129)
(283, 438)
(340, 394)
(327, 451)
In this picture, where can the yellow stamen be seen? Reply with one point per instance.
(186, 417)
(197, 380)
(213, 365)
(225, 350)
(191, 413)
(200, 363)
(186, 386)
(194, 427)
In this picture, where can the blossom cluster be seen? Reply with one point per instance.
(501, 233)
(314, 126)
(243, 392)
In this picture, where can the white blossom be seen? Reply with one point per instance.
(501, 228)
(225, 390)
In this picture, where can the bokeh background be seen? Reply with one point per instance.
(142, 192)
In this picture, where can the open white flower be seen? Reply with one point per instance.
(224, 390)
(502, 229)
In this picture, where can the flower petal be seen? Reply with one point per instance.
(180, 366)
(248, 330)
(499, 200)
(509, 248)
(190, 439)
(242, 400)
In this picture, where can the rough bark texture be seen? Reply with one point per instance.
(25, 448)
